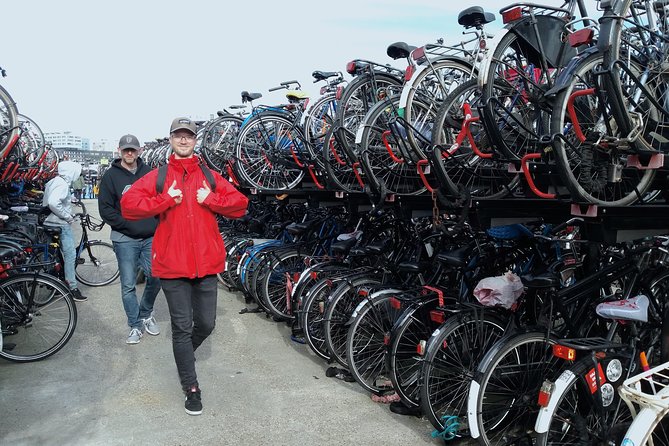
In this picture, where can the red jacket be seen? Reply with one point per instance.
(187, 242)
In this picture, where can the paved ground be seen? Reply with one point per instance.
(258, 387)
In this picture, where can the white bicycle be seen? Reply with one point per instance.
(647, 395)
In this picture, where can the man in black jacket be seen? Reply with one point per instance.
(132, 239)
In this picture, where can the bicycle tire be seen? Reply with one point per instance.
(366, 349)
(492, 395)
(578, 416)
(463, 169)
(9, 122)
(218, 141)
(275, 285)
(583, 167)
(338, 310)
(99, 266)
(452, 355)
(36, 332)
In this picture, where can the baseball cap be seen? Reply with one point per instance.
(128, 142)
(183, 124)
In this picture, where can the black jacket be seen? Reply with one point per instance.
(115, 182)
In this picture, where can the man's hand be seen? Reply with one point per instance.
(203, 192)
(175, 193)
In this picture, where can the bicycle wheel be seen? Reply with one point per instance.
(96, 264)
(366, 348)
(339, 164)
(311, 317)
(338, 310)
(453, 353)
(385, 150)
(356, 100)
(502, 400)
(583, 417)
(35, 331)
(593, 170)
(427, 91)
(270, 152)
(276, 285)
(483, 175)
(31, 142)
(515, 114)
(9, 122)
(218, 141)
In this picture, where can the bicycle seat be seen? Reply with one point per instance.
(343, 246)
(379, 247)
(9, 252)
(399, 50)
(457, 257)
(411, 267)
(632, 309)
(475, 16)
(296, 95)
(248, 97)
(545, 280)
(52, 230)
(322, 75)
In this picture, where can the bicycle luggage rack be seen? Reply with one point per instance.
(649, 388)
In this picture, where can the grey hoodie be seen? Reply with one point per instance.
(57, 194)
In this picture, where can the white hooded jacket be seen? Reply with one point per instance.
(57, 194)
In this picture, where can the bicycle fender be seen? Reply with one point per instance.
(472, 422)
(565, 77)
(484, 66)
(545, 416)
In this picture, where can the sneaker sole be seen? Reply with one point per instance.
(151, 333)
(194, 412)
(80, 300)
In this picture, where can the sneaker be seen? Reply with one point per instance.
(151, 326)
(77, 296)
(134, 336)
(193, 401)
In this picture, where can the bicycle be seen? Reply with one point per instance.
(37, 312)
(95, 263)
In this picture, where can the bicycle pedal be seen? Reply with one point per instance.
(81, 261)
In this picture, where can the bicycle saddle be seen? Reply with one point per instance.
(475, 16)
(248, 97)
(52, 230)
(322, 75)
(399, 50)
(296, 95)
(634, 309)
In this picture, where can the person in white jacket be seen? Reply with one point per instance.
(59, 200)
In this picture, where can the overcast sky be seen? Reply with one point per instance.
(103, 69)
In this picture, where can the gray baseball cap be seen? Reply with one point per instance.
(183, 124)
(128, 142)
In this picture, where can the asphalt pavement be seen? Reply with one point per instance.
(258, 387)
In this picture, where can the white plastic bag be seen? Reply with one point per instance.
(500, 291)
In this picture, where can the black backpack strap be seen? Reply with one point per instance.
(160, 180)
(162, 174)
(209, 176)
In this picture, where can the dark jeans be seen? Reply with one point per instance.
(192, 305)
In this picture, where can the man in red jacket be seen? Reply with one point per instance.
(188, 250)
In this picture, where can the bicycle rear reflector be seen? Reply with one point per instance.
(581, 37)
(560, 351)
(409, 73)
(418, 53)
(545, 393)
(420, 348)
(351, 67)
(512, 15)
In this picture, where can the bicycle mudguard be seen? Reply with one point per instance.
(557, 52)
(566, 75)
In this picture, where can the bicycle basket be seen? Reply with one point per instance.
(509, 232)
(94, 224)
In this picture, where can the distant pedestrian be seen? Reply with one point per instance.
(59, 200)
(131, 239)
(188, 251)
(78, 187)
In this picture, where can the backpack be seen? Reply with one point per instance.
(162, 174)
